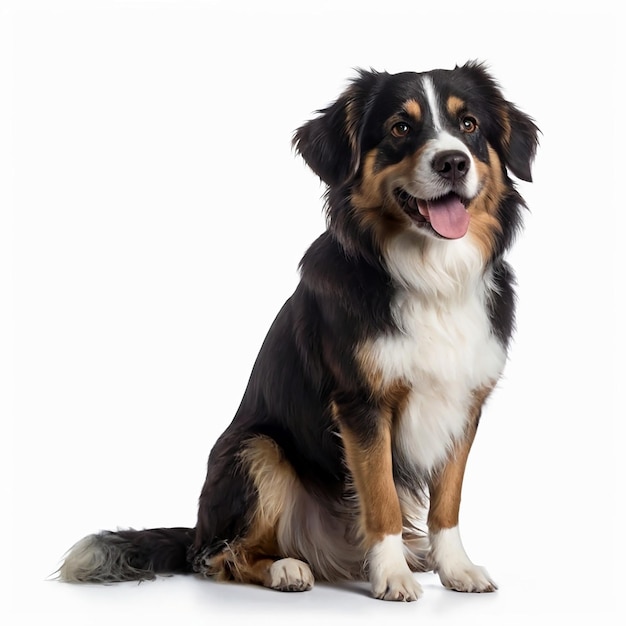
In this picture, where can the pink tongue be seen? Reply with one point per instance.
(448, 216)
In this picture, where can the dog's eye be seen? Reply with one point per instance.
(401, 129)
(469, 124)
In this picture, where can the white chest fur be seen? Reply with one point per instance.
(444, 351)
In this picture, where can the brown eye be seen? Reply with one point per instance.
(469, 124)
(400, 129)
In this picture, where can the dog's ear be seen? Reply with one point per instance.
(520, 143)
(331, 143)
(515, 134)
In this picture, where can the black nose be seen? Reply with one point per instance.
(451, 164)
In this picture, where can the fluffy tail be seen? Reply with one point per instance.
(128, 555)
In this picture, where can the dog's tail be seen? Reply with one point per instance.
(128, 555)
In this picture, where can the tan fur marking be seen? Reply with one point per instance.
(446, 485)
(413, 108)
(455, 105)
(484, 223)
(371, 467)
(274, 479)
(506, 127)
(391, 397)
(249, 559)
(238, 563)
(373, 200)
(368, 365)
(372, 192)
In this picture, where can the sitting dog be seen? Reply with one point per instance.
(346, 457)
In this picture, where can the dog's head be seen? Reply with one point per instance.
(426, 151)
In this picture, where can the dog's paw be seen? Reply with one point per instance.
(399, 587)
(454, 567)
(291, 575)
(469, 578)
(389, 573)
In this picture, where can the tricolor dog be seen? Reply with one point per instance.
(345, 459)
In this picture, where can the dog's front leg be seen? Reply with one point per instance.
(366, 434)
(451, 562)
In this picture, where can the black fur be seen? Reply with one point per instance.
(306, 364)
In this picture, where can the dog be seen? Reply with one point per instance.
(346, 457)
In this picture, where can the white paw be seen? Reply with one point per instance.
(389, 573)
(291, 575)
(470, 578)
(452, 564)
(399, 586)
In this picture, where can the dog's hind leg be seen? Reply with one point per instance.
(242, 564)
(256, 555)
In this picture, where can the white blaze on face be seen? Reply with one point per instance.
(433, 102)
(426, 182)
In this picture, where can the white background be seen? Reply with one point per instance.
(153, 216)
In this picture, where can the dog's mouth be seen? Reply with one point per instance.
(447, 215)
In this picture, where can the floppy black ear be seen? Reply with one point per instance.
(331, 143)
(519, 150)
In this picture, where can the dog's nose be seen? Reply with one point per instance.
(451, 164)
